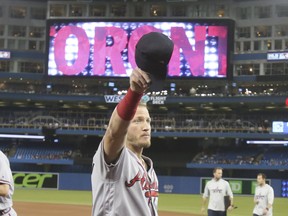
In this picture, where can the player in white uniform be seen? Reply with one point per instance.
(124, 182)
(216, 189)
(263, 198)
(6, 187)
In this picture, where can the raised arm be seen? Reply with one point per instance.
(115, 135)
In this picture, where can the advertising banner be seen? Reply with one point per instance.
(35, 180)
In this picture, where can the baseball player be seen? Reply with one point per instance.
(216, 189)
(6, 187)
(123, 180)
(263, 198)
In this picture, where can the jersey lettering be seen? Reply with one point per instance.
(151, 189)
(259, 196)
(217, 190)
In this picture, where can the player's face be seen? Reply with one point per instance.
(139, 131)
(218, 174)
(260, 180)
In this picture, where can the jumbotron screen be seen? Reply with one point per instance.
(106, 48)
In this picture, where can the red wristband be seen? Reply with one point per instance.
(127, 107)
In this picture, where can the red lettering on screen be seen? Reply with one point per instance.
(101, 51)
(221, 33)
(83, 50)
(194, 55)
(195, 58)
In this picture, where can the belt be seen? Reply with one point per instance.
(5, 211)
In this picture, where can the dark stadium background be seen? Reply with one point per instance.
(200, 124)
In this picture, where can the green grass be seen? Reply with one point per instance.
(192, 204)
(167, 202)
(53, 196)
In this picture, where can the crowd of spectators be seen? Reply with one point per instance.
(102, 87)
(168, 122)
(38, 151)
(5, 148)
(221, 155)
(273, 156)
(46, 154)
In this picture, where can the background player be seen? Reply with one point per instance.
(6, 187)
(263, 198)
(123, 180)
(216, 189)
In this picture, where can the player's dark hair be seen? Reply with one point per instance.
(262, 174)
(217, 168)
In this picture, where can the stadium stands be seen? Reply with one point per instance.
(194, 112)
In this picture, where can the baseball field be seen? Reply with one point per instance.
(30, 202)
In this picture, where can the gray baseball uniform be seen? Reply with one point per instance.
(6, 178)
(216, 190)
(124, 188)
(264, 195)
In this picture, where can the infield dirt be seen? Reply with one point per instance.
(46, 209)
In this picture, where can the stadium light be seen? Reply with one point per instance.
(267, 142)
(22, 136)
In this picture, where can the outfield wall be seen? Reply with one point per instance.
(167, 184)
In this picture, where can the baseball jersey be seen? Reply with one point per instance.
(6, 178)
(216, 190)
(264, 195)
(124, 188)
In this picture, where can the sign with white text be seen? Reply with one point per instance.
(277, 56)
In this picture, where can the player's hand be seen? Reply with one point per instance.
(230, 207)
(203, 210)
(265, 212)
(139, 80)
